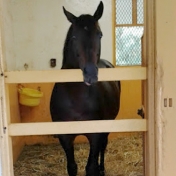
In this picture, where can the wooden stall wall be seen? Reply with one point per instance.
(39, 113)
(17, 142)
(130, 103)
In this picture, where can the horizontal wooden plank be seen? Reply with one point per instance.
(46, 128)
(75, 75)
(128, 25)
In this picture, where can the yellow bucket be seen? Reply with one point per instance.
(29, 97)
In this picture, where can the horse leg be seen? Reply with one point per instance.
(102, 153)
(92, 167)
(67, 143)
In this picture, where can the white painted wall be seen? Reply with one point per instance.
(166, 86)
(38, 30)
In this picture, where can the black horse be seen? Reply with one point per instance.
(91, 100)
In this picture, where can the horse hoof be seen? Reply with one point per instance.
(102, 173)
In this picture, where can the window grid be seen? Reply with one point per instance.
(129, 30)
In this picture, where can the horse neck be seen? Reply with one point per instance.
(69, 58)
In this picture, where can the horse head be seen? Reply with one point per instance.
(83, 44)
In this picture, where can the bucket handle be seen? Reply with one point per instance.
(20, 86)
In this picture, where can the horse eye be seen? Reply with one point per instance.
(86, 28)
(100, 34)
(74, 37)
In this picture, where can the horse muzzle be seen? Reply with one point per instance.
(90, 73)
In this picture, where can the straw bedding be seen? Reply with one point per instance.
(124, 157)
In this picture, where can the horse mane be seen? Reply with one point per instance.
(66, 45)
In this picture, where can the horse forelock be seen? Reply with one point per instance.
(86, 20)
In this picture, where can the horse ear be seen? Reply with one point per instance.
(69, 16)
(98, 13)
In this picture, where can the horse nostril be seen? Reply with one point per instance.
(96, 68)
(85, 70)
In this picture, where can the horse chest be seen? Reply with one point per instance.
(82, 98)
(76, 97)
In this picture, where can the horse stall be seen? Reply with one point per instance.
(32, 40)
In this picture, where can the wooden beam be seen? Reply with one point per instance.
(150, 160)
(97, 126)
(128, 25)
(110, 74)
(134, 12)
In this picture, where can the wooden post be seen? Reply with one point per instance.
(148, 89)
(6, 140)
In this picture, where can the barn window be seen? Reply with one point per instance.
(129, 30)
